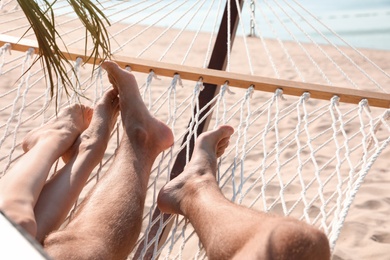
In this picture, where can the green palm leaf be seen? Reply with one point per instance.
(41, 17)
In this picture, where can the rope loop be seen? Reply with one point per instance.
(305, 97)
(226, 88)
(5, 47)
(364, 103)
(77, 64)
(176, 80)
(386, 116)
(335, 101)
(279, 94)
(79, 60)
(30, 52)
(249, 92)
(199, 86)
(150, 77)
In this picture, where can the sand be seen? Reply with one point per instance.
(366, 231)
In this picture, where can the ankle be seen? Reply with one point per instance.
(139, 135)
(184, 193)
(91, 144)
(152, 135)
(202, 189)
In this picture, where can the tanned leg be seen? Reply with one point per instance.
(228, 230)
(109, 220)
(61, 191)
(21, 186)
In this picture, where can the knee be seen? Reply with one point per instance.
(69, 245)
(29, 224)
(22, 217)
(58, 245)
(297, 240)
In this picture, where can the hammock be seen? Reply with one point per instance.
(310, 119)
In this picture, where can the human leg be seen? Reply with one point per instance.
(21, 186)
(108, 222)
(61, 191)
(228, 230)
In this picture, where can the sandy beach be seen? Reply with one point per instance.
(366, 230)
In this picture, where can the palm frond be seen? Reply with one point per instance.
(41, 17)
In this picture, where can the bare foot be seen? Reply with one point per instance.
(199, 173)
(103, 121)
(61, 130)
(87, 151)
(136, 118)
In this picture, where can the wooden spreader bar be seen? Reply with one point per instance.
(218, 77)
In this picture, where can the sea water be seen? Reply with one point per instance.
(362, 23)
(359, 23)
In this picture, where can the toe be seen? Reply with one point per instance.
(110, 66)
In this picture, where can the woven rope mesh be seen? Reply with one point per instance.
(294, 156)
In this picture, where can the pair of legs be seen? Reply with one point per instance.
(79, 135)
(108, 223)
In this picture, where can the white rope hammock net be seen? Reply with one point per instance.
(294, 156)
